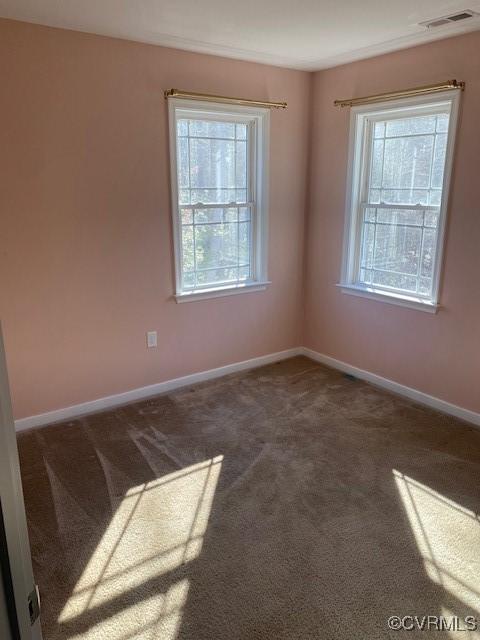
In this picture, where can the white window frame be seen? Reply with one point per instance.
(361, 118)
(258, 123)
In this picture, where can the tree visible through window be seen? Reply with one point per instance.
(398, 199)
(216, 240)
(219, 198)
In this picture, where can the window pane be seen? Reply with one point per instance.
(217, 252)
(365, 276)
(231, 215)
(442, 122)
(425, 286)
(182, 128)
(213, 175)
(215, 277)
(187, 249)
(188, 280)
(208, 215)
(407, 162)
(244, 273)
(379, 129)
(405, 196)
(244, 243)
(184, 196)
(212, 164)
(439, 160)
(210, 129)
(377, 164)
(400, 216)
(241, 165)
(368, 245)
(431, 218)
(411, 126)
(392, 280)
(244, 213)
(398, 235)
(183, 163)
(216, 245)
(212, 196)
(398, 249)
(428, 252)
(241, 131)
(186, 216)
(241, 195)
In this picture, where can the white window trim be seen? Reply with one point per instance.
(259, 180)
(356, 164)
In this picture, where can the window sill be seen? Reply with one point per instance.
(204, 294)
(390, 298)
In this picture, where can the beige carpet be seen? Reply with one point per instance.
(288, 502)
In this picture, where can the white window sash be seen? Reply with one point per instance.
(251, 264)
(257, 121)
(362, 120)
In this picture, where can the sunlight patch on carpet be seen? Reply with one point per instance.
(128, 588)
(448, 539)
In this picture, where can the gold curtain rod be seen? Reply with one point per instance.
(404, 93)
(190, 95)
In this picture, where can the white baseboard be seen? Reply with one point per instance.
(119, 399)
(396, 387)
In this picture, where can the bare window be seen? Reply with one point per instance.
(219, 190)
(401, 159)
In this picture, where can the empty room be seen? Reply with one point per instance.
(239, 344)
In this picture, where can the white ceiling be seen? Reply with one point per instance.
(303, 34)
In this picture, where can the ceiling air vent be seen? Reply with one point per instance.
(456, 17)
(461, 16)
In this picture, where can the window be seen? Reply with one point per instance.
(219, 188)
(401, 157)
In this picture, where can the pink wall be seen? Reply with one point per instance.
(86, 255)
(86, 251)
(438, 354)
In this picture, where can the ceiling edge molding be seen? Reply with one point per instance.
(197, 46)
(176, 42)
(397, 44)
